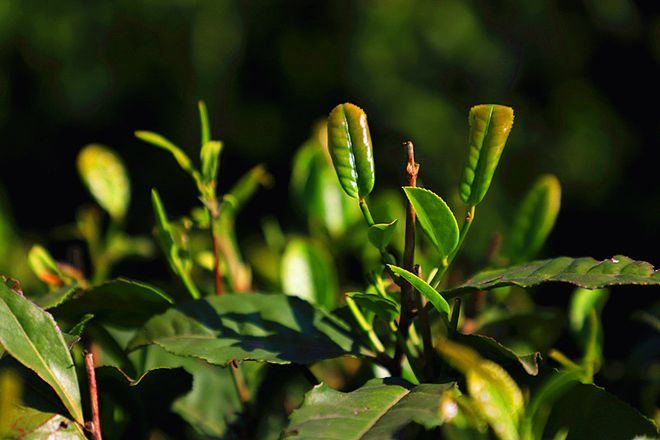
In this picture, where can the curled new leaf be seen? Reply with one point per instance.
(490, 125)
(105, 177)
(380, 234)
(349, 142)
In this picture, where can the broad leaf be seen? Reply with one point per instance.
(349, 142)
(534, 220)
(273, 328)
(307, 271)
(31, 424)
(435, 218)
(105, 176)
(31, 336)
(385, 308)
(584, 272)
(161, 142)
(380, 234)
(489, 129)
(380, 409)
(438, 301)
(118, 302)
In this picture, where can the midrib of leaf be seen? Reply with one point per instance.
(351, 154)
(382, 414)
(476, 183)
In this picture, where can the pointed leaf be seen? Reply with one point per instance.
(210, 157)
(438, 301)
(489, 129)
(271, 328)
(106, 178)
(205, 127)
(380, 409)
(349, 142)
(385, 308)
(31, 424)
(161, 142)
(380, 234)
(31, 336)
(435, 218)
(584, 272)
(534, 220)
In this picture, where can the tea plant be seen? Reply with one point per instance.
(223, 352)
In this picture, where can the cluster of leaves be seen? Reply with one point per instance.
(210, 356)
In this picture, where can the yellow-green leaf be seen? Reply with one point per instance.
(438, 301)
(435, 218)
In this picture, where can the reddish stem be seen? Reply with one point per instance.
(95, 425)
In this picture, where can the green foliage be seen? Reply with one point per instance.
(425, 289)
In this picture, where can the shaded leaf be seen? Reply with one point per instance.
(489, 348)
(584, 317)
(584, 272)
(105, 176)
(385, 308)
(205, 127)
(438, 301)
(272, 328)
(489, 129)
(31, 336)
(380, 234)
(380, 409)
(435, 218)
(349, 142)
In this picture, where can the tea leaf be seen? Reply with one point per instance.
(435, 218)
(161, 142)
(210, 157)
(584, 318)
(438, 301)
(385, 308)
(490, 125)
(105, 176)
(380, 409)
(349, 142)
(534, 220)
(584, 272)
(205, 127)
(31, 336)
(380, 234)
(46, 268)
(29, 423)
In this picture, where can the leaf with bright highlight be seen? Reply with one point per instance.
(438, 301)
(385, 308)
(161, 142)
(381, 234)
(435, 218)
(210, 157)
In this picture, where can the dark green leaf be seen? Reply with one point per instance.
(56, 297)
(385, 308)
(435, 218)
(438, 301)
(349, 142)
(30, 424)
(105, 176)
(380, 234)
(273, 328)
(380, 409)
(492, 350)
(489, 129)
(31, 336)
(584, 272)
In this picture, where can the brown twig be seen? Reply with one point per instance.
(95, 424)
(239, 382)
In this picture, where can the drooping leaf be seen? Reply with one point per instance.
(31, 424)
(435, 218)
(492, 350)
(32, 337)
(271, 328)
(380, 234)
(161, 142)
(105, 176)
(490, 125)
(385, 308)
(210, 158)
(119, 302)
(349, 142)
(380, 409)
(534, 220)
(307, 271)
(583, 272)
(438, 301)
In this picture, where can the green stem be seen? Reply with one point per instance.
(364, 325)
(365, 211)
(455, 315)
(465, 228)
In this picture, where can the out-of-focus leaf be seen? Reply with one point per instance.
(489, 129)
(583, 272)
(31, 424)
(161, 142)
(385, 308)
(10, 396)
(380, 409)
(380, 234)
(307, 271)
(119, 302)
(46, 268)
(210, 157)
(490, 349)
(584, 318)
(31, 336)
(435, 218)
(106, 178)
(349, 142)
(272, 328)
(494, 392)
(205, 127)
(534, 220)
(244, 189)
(55, 297)
(438, 301)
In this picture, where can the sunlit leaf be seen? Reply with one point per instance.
(435, 218)
(210, 157)
(161, 142)
(31, 424)
(381, 234)
(385, 308)
(438, 301)
(46, 268)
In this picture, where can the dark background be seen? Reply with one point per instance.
(581, 75)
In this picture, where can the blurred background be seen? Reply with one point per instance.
(581, 76)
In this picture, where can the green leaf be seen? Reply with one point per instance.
(385, 308)
(380, 409)
(46, 269)
(492, 350)
(534, 220)
(307, 271)
(584, 318)
(161, 142)
(244, 189)
(105, 176)
(489, 129)
(349, 142)
(583, 272)
(121, 302)
(31, 424)
(380, 234)
(210, 157)
(205, 127)
(438, 301)
(31, 336)
(435, 218)
(494, 392)
(271, 328)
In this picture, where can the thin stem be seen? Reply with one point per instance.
(364, 325)
(465, 228)
(239, 383)
(95, 424)
(455, 315)
(365, 211)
